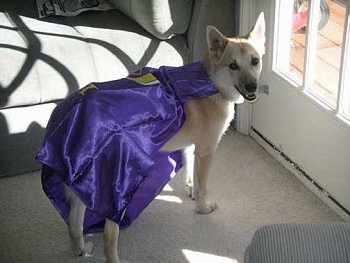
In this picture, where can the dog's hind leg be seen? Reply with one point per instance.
(75, 225)
(201, 172)
(111, 236)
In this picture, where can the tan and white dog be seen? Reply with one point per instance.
(234, 66)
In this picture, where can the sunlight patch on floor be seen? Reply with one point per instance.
(169, 198)
(199, 257)
(168, 188)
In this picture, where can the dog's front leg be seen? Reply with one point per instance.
(188, 156)
(111, 236)
(201, 171)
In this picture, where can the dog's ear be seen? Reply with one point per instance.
(216, 40)
(257, 35)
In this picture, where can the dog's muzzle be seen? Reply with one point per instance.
(249, 93)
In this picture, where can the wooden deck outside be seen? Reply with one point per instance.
(328, 53)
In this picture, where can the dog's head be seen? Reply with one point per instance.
(234, 64)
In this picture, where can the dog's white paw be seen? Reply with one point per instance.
(190, 190)
(77, 251)
(86, 252)
(88, 249)
(205, 207)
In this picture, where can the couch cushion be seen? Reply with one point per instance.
(44, 60)
(22, 130)
(15, 66)
(162, 18)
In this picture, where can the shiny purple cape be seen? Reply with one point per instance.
(103, 142)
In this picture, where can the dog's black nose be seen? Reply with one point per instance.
(251, 87)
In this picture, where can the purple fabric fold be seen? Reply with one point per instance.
(103, 142)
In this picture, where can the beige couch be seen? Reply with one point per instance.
(42, 60)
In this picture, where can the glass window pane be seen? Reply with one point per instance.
(290, 47)
(346, 89)
(298, 37)
(331, 20)
(325, 52)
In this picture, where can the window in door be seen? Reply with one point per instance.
(313, 53)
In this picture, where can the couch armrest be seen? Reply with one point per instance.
(220, 13)
(163, 19)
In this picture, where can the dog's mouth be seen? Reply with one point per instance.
(248, 96)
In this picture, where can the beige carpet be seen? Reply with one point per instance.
(250, 187)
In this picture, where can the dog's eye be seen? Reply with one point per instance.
(234, 66)
(255, 61)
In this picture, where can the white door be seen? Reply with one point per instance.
(305, 119)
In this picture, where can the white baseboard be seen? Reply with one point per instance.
(295, 170)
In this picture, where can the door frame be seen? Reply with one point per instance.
(247, 17)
